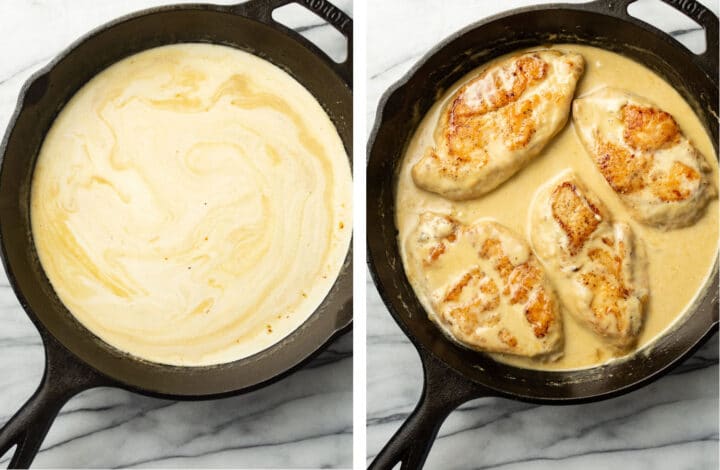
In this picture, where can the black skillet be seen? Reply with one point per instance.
(454, 375)
(76, 360)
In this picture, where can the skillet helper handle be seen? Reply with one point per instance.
(64, 377)
(443, 391)
(708, 60)
(262, 10)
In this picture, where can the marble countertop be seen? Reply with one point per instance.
(304, 420)
(670, 424)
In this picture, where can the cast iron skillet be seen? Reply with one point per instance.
(454, 375)
(77, 360)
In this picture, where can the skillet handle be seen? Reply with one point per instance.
(708, 60)
(443, 391)
(262, 10)
(64, 377)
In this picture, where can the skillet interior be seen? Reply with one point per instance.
(400, 112)
(41, 100)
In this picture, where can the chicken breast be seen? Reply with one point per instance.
(596, 265)
(644, 157)
(498, 122)
(484, 287)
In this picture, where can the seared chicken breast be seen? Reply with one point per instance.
(644, 157)
(598, 268)
(497, 122)
(485, 288)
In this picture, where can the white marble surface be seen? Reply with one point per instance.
(304, 420)
(671, 424)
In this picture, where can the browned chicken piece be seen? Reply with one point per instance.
(497, 122)
(483, 286)
(644, 157)
(598, 268)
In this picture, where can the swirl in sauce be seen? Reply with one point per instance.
(191, 205)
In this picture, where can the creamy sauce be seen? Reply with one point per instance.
(191, 204)
(680, 261)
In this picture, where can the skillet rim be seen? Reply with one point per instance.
(486, 387)
(324, 334)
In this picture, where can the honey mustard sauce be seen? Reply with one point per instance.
(680, 261)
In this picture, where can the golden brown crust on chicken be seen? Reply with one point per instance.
(648, 128)
(524, 71)
(599, 272)
(494, 124)
(644, 157)
(624, 171)
(484, 287)
(673, 187)
(577, 216)
(607, 285)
